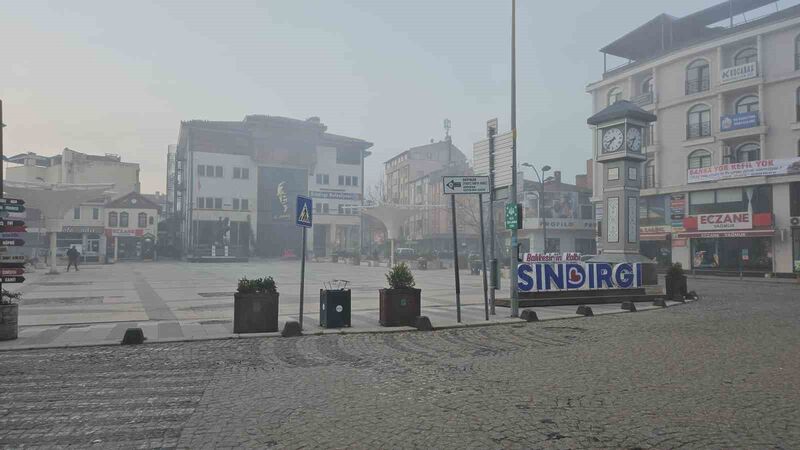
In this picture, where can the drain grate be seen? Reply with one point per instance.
(215, 294)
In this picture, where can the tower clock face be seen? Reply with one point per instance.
(612, 139)
(634, 139)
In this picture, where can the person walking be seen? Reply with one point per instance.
(72, 256)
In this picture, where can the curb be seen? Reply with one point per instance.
(386, 330)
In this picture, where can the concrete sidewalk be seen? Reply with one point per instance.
(363, 321)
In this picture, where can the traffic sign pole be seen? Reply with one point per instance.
(455, 259)
(304, 219)
(302, 276)
(483, 258)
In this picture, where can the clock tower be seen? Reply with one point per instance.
(618, 148)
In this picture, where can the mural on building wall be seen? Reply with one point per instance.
(277, 189)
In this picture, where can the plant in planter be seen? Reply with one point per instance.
(675, 281)
(9, 315)
(400, 304)
(255, 306)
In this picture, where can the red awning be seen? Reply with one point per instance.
(727, 234)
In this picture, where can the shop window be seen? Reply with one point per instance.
(745, 56)
(653, 210)
(698, 121)
(552, 245)
(112, 219)
(142, 220)
(650, 174)
(748, 152)
(726, 200)
(699, 159)
(794, 199)
(614, 95)
(747, 104)
(761, 199)
(123, 220)
(697, 77)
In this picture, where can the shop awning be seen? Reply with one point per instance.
(653, 236)
(727, 234)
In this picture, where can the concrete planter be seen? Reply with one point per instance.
(9, 318)
(399, 307)
(255, 313)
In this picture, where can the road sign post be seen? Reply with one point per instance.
(483, 258)
(458, 185)
(303, 219)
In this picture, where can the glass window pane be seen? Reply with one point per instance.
(701, 198)
(729, 195)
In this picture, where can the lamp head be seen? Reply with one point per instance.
(546, 168)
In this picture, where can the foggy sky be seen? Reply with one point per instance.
(118, 77)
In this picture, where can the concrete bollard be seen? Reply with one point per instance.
(660, 302)
(584, 310)
(423, 323)
(133, 336)
(529, 315)
(629, 306)
(291, 329)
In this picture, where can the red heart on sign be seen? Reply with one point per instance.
(573, 275)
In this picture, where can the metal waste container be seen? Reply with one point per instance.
(334, 304)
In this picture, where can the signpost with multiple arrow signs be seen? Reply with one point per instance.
(12, 267)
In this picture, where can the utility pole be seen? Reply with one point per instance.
(512, 268)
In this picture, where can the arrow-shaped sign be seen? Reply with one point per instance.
(12, 258)
(12, 242)
(12, 279)
(11, 272)
(12, 208)
(11, 201)
(22, 229)
(12, 265)
(12, 223)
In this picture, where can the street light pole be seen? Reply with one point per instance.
(542, 214)
(512, 269)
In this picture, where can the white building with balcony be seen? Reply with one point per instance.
(721, 184)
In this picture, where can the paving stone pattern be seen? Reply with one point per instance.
(719, 373)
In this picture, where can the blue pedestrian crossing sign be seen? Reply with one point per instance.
(303, 212)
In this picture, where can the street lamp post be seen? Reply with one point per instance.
(541, 179)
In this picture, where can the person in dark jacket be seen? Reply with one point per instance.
(72, 256)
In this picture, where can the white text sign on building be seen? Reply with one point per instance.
(759, 168)
(725, 221)
(465, 185)
(738, 73)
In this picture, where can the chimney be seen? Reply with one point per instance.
(557, 176)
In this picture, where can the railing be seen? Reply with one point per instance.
(695, 86)
(233, 250)
(696, 130)
(643, 99)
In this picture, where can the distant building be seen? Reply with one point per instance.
(131, 227)
(235, 184)
(85, 225)
(721, 183)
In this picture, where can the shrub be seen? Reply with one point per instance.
(257, 286)
(400, 277)
(675, 270)
(8, 298)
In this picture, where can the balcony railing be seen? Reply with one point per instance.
(643, 99)
(695, 86)
(696, 130)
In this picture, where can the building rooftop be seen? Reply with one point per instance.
(665, 33)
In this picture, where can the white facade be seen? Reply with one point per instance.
(730, 100)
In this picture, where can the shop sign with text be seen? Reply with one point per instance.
(759, 168)
(725, 221)
(551, 257)
(577, 276)
(738, 73)
(738, 121)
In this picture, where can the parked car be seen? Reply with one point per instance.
(405, 253)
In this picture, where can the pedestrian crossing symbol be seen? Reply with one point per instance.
(303, 211)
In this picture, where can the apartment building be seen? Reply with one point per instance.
(234, 186)
(721, 184)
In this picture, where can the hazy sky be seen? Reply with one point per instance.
(118, 77)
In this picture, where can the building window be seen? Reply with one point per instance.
(794, 199)
(237, 173)
(348, 156)
(245, 204)
(142, 220)
(748, 152)
(201, 170)
(76, 213)
(236, 204)
(112, 219)
(698, 122)
(731, 200)
(797, 53)
(699, 159)
(341, 180)
(747, 104)
(150, 220)
(123, 219)
(245, 173)
(797, 105)
(650, 174)
(348, 181)
(209, 171)
(323, 178)
(745, 56)
(95, 213)
(552, 245)
(647, 86)
(218, 172)
(217, 203)
(614, 95)
(697, 77)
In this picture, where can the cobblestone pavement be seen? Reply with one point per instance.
(723, 372)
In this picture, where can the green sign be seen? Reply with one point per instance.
(513, 216)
